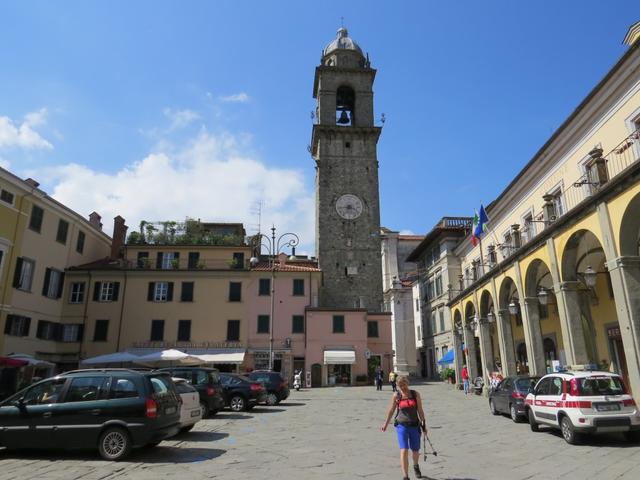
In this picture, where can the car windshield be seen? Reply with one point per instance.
(525, 384)
(184, 387)
(593, 386)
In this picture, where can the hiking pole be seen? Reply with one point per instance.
(433, 450)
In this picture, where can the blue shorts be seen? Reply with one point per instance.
(408, 437)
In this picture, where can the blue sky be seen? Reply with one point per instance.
(157, 109)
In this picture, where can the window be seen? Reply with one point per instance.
(529, 227)
(100, 332)
(48, 330)
(80, 242)
(438, 284)
(297, 324)
(17, 326)
(558, 202)
(6, 196)
(372, 328)
(186, 295)
(71, 333)
(238, 260)
(194, 260)
(63, 230)
(432, 319)
(24, 274)
(235, 291)
(168, 260)
(338, 324)
(264, 286)
(106, 291)
(157, 330)
(44, 393)
(233, 330)
(35, 222)
(184, 330)
(417, 304)
(143, 260)
(441, 316)
(123, 388)
(53, 283)
(298, 286)
(263, 323)
(419, 336)
(160, 291)
(86, 389)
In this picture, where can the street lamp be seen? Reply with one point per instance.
(590, 277)
(543, 296)
(513, 307)
(274, 247)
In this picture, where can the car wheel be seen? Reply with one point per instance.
(205, 410)
(514, 414)
(272, 399)
(114, 444)
(532, 422)
(188, 428)
(569, 432)
(237, 403)
(633, 437)
(492, 407)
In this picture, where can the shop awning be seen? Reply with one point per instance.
(447, 358)
(227, 357)
(339, 357)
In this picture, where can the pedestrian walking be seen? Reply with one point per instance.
(392, 380)
(379, 378)
(409, 420)
(464, 374)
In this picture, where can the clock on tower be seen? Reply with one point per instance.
(344, 143)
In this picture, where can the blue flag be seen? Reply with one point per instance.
(480, 226)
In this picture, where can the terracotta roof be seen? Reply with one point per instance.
(287, 267)
(102, 264)
(410, 237)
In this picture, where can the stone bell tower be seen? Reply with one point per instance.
(344, 143)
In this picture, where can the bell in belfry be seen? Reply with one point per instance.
(344, 118)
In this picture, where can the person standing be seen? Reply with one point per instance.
(392, 380)
(379, 377)
(409, 421)
(464, 374)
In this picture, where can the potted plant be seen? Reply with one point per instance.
(175, 263)
(448, 375)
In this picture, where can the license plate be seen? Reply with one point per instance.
(170, 410)
(195, 413)
(607, 407)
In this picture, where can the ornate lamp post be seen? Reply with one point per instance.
(274, 247)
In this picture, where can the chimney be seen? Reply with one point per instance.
(119, 237)
(94, 219)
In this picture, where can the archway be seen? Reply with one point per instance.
(510, 318)
(591, 311)
(345, 106)
(489, 334)
(542, 312)
(458, 341)
(471, 341)
(630, 229)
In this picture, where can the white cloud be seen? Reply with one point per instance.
(236, 98)
(180, 118)
(23, 135)
(407, 232)
(212, 177)
(5, 164)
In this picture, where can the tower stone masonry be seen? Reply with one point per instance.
(344, 144)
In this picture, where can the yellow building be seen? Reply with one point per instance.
(39, 239)
(557, 276)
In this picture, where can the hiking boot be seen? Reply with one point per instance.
(416, 469)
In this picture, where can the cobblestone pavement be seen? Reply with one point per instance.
(334, 433)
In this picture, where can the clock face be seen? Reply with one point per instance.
(349, 206)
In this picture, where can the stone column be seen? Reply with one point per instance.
(458, 357)
(535, 347)
(486, 349)
(570, 310)
(625, 279)
(470, 344)
(505, 336)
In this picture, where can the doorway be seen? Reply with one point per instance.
(316, 375)
(373, 362)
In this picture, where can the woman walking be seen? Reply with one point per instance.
(408, 421)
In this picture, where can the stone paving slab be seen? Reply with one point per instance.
(334, 433)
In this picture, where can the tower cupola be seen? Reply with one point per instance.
(343, 52)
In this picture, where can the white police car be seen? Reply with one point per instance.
(583, 402)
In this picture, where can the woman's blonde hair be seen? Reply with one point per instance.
(402, 380)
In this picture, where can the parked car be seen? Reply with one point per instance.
(207, 382)
(190, 411)
(277, 388)
(509, 396)
(113, 410)
(578, 403)
(241, 393)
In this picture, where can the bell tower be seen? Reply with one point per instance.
(343, 145)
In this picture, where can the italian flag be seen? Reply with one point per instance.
(479, 225)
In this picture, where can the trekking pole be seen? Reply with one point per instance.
(433, 450)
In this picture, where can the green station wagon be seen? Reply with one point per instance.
(113, 410)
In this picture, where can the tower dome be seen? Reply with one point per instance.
(342, 42)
